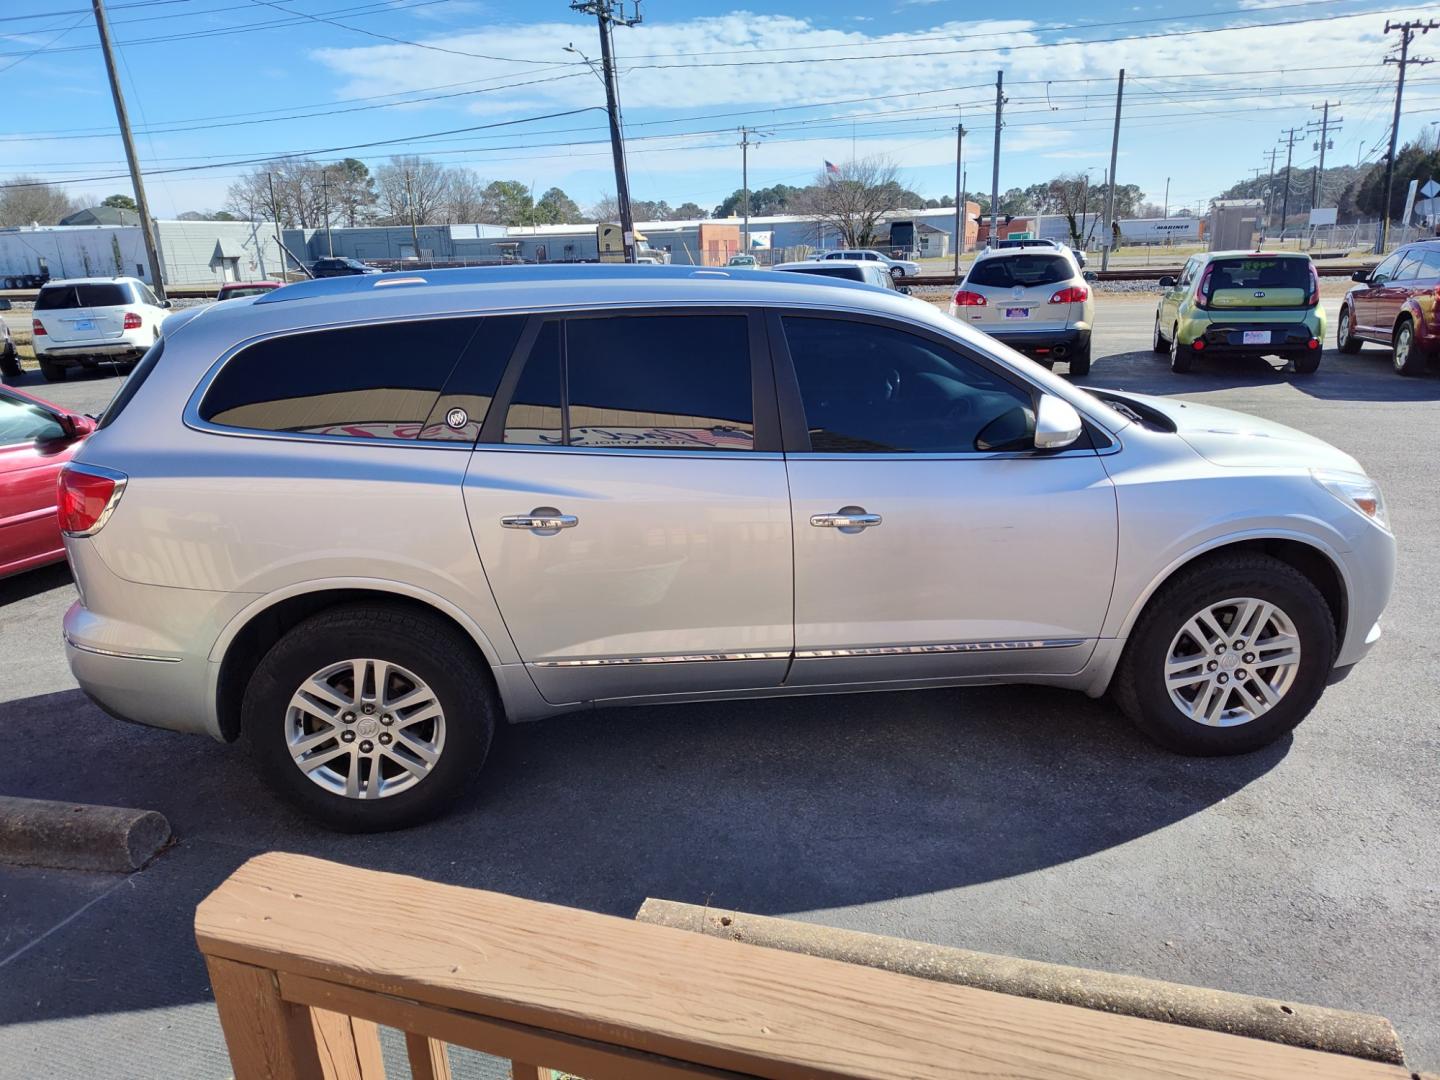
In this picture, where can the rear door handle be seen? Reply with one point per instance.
(846, 519)
(543, 521)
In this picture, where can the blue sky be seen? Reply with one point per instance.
(820, 80)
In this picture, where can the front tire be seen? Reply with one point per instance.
(10, 362)
(1345, 339)
(1180, 359)
(370, 717)
(1229, 655)
(1158, 344)
(1404, 353)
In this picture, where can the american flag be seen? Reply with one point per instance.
(832, 168)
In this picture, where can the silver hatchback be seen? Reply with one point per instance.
(361, 521)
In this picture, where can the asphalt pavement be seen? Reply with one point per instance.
(1025, 821)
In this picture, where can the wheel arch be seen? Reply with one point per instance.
(251, 633)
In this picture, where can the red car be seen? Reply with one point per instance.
(234, 290)
(36, 440)
(1396, 304)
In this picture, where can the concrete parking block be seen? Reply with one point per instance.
(78, 836)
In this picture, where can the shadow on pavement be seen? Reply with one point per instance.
(1367, 376)
(771, 807)
(33, 583)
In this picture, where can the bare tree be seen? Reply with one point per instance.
(606, 209)
(407, 183)
(465, 197)
(35, 203)
(851, 204)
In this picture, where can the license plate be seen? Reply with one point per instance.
(1017, 313)
(84, 324)
(1255, 337)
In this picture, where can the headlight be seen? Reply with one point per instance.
(1356, 491)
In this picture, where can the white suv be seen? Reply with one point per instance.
(86, 321)
(1037, 301)
(362, 521)
(899, 268)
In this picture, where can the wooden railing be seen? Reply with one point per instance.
(307, 958)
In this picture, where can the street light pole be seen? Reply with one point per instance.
(960, 221)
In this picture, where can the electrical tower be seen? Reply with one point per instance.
(608, 13)
(1407, 35)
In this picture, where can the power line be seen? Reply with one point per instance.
(86, 12)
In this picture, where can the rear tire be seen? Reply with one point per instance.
(52, 372)
(1158, 344)
(1404, 353)
(10, 362)
(1306, 363)
(1080, 360)
(1345, 339)
(402, 654)
(1180, 359)
(1141, 688)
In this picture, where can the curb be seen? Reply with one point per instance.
(77, 836)
(1312, 1027)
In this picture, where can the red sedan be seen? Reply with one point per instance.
(36, 440)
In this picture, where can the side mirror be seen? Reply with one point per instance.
(904, 289)
(167, 303)
(1057, 424)
(1360, 275)
(1089, 275)
(68, 425)
(1167, 282)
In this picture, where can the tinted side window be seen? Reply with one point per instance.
(869, 388)
(1409, 267)
(22, 422)
(378, 381)
(1386, 270)
(459, 411)
(534, 415)
(1431, 266)
(667, 382)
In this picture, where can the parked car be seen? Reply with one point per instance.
(1396, 304)
(1242, 303)
(1037, 302)
(866, 273)
(83, 322)
(9, 358)
(656, 484)
(744, 261)
(323, 268)
(899, 268)
(36, 440)
(234, 290)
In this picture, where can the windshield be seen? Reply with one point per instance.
(1023, 270)
(58, 297)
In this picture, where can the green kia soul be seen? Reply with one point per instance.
(1242, 303)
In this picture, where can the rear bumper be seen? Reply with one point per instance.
(1229, 337)
(1043, 342)
(100, 350)
(151, 689)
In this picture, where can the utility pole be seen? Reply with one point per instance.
(1285, 203)
(1407, 34)
(1270, 189)
(1110, 187)
(275, 213)
(325, 195)
(1165, 211)
(142, 204)
(410, 205)
(995, 175)
(960, 221)
(1316, 177)
(607, 13)
(745, 185)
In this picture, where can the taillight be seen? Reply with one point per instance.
(1202, 298)
(37, 328)
(1075, 294)
(1314, 298)
(132, 321)
(1313, 343)
(965, 298)
(88, 496)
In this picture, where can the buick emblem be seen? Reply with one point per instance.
(457, 418)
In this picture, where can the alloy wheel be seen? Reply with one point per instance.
(1232, 662)
(365, 728)
(1342, 332)
(1404, 341)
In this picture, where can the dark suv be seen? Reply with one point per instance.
(1396, 304)
(340, 268)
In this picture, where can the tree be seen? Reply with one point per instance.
(120, 202)
(411, 188)
(851, 204)
(299, 199)
(779, 199)
(465, 197)
(506, 202)
(352, 192)
(554, 207)
(1418, 160)
(26, 200)
(688, 211)
(606, 209)
(206, 215)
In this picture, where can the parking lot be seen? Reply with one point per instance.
(1023, 821)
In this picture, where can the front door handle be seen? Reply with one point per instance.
(846, 519)
(543, 521)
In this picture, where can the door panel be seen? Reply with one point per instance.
(1006, 558)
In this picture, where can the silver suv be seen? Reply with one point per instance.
(361, 521)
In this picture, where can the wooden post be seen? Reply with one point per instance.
(528, 1072)
(349, 1047)
(428, 1057)
(268, 1038)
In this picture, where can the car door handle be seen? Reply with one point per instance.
(848, 518)
(544, 520)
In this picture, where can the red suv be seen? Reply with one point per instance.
(1396, 304)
